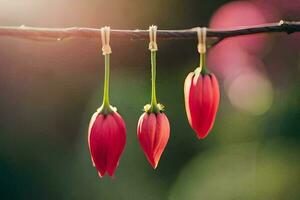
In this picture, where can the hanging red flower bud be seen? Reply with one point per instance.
(153, 133)
(202, 96)
(107, 138)
(201, 92)
(153, 128)
(107, 132)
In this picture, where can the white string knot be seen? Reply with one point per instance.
(152, 35)
(201, 33)
(105, 34)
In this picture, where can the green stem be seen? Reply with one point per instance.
(106, 108)
(154, 107)
(202, 63)
(106, 82)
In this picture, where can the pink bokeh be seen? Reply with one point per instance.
(238, 57)
(240, 13)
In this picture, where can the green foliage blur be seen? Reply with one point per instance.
(49, 90)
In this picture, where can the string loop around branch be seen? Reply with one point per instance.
(152, 37)
(105, 35)
(201, 33)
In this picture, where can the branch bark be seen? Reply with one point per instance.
(36, 33)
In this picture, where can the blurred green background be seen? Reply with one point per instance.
(49, 90)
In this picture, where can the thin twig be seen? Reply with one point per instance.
(54, 34)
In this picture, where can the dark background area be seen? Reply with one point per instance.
(50, 89)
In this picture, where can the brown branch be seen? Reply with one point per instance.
(77, 32)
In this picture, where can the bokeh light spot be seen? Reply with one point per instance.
(251, 92)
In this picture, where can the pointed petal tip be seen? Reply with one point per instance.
(111, 173)
(201, 136)
(100, 175)
(154, 164)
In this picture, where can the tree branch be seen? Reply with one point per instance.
(27, 32)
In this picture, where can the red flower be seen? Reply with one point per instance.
(107, 138)
(153, 133)
(201, 91)
(153, 128)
